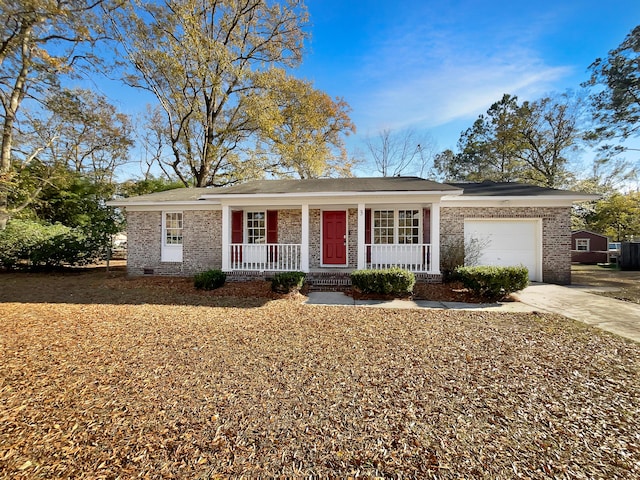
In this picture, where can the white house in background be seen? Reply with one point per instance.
(336, 225)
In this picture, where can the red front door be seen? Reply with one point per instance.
(334, 238)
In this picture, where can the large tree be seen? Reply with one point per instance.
(617, 103)
(301, 127)
(40, 40)
(84, 132)
(489, 150)
(617, 216)
(205, 62)
(550, 129)
(529, 142)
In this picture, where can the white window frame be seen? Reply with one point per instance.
(249, 230)
(415, 238)
(583, 242)
(396, 225)
(385, 227)
(172, 252)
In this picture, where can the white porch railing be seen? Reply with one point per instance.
(265, 257)
(413, 257)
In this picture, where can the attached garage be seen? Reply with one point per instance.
(508, 242)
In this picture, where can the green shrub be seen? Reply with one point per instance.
(287, 282)
(493, 282)
(391, 281)
(25, 243)
(209, 280)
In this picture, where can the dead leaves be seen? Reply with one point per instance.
(105, 389)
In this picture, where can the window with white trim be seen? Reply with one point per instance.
(396, 227)
(256, 227)
(173, 228)
(582, 244)
(383, 226)
(408, 226)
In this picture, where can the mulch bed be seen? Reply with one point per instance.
(437, 292)
(106, 377)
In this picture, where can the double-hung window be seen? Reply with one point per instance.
(396, 227)
(582, 244)
(256, 227)
(383, 226)
(173, 228)
(172, 237)
(408, 226)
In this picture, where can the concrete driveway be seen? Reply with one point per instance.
(574, 301)
(578, 303)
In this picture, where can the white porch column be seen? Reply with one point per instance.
(226, 238)
(304, 247)
(435, 238)
(362, 254)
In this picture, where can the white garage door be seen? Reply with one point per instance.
(508, 243)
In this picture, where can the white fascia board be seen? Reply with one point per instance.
(331, 198)
(160, 206)
(509, 201)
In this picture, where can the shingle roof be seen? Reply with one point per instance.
(508, 189)
(337, 185)
(346, 185)
(175, 195)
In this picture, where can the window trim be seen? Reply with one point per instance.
(247, 228)
(396, 224)
(165, 228)
(171, 252)
(586, 242)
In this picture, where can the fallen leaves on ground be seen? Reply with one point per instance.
(630, 294)
(104, 377)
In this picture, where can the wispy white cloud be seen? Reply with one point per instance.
(452, 92)
(431, 75)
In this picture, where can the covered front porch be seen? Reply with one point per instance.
(325, 238)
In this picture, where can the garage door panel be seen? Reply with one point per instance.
(507, 243)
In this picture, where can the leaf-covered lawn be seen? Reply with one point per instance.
(106, 377)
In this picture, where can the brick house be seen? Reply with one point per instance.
(328, 226)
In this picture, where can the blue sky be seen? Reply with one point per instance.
(434, 66)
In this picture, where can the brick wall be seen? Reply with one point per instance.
(352, 238)
(143, 241)
(290, 226)
(202, 237)
(315, 247)
(556, 233)
(201, 249)
(202, 242)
